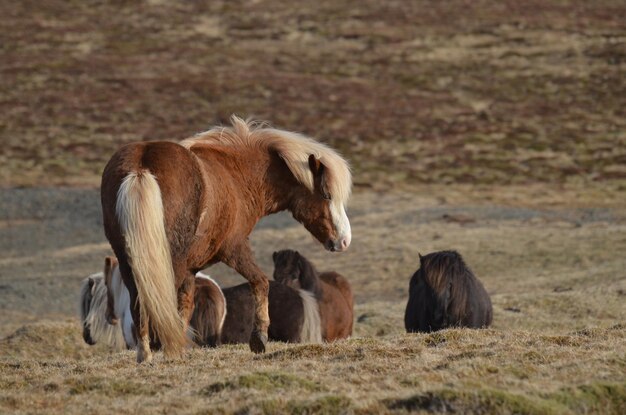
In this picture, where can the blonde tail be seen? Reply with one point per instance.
(312, 326)
(139, 209)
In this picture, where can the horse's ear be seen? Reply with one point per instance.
(319, 175)
(274, 256)
(108, 264)
(421, 257)
(315, 164)
(92, 282)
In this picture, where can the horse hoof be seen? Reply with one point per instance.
(258, 341)
(144, 357)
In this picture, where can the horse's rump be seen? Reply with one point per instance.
(209, 313)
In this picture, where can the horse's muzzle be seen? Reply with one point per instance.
(87, 336)
(337, 246)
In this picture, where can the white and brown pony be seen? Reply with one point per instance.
(93, 314)
(106, 315)
(170, 210)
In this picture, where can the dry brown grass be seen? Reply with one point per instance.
(464, 370)
(557, 344)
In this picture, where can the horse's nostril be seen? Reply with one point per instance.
(344, 243)
(330, 245)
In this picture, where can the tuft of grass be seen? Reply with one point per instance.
(270, 381)
(108, 386)
(324, 405)
(599, 397)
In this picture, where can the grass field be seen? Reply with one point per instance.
(494, 128)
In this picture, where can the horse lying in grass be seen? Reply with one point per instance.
(332, 291)
(444, 292)
(93, 314)
(294, 313)
(172, 209)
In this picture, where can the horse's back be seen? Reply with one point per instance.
(479, 306)
(341, 283)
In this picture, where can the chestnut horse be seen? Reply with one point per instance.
(444, 292)
(332, 291)
(170, 210)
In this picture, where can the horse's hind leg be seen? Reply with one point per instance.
(144, 354)
(186, 292)
(141, 326)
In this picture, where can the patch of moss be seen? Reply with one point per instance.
(325, 405)
(264, 381)
(108, 387)
(216, 387)
(599, 397)
(275, 380)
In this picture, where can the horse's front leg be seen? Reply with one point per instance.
(242, 261)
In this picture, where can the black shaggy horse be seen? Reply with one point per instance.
(444, 292)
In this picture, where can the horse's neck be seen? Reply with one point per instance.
(261, 178)
(309, 278)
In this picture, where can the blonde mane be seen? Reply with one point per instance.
(95, 315)
(293, 148)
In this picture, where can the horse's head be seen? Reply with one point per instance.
(86, 297)
(287, 268)
(322, 213)
(295, 271)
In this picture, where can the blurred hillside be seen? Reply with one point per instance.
(411, 92)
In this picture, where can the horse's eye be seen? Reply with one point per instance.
(326, 196)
